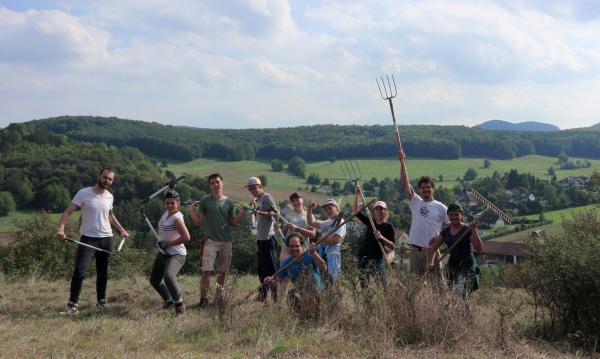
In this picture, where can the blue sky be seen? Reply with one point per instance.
(260, 63)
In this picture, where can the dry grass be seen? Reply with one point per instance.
(411, 321)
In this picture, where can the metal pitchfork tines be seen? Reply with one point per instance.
(351, 171)
(388, 94)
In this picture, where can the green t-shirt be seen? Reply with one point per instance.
(217, 214)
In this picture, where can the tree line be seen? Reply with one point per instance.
(321, 142)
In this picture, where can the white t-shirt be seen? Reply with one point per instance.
(427, 220)
(167, 233)
(328, 225)
(94, 212)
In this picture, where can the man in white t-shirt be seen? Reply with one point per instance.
(96, 216)
(428, 217)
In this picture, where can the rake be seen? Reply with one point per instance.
(387, 94)
(351, 170)
(489, 206)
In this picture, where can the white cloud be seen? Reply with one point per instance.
(296, 62)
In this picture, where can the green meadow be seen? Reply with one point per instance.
(238, 172)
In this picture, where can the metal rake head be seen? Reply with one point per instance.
(488, 205)
(387, 93)
(351, 171)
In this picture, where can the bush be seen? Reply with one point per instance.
(34, 251)
(276, 165)
(7, 203)
(563, 274)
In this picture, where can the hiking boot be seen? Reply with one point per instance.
(71, 309)
(180, 309)
(167, 305)
(203, 303)
(102, 306)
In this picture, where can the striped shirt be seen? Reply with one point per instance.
(168, 232)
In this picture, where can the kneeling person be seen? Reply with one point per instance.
(305, 272)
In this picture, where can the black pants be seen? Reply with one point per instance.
(368, 267)
(166, 267)
(267, 260)
(83, 258)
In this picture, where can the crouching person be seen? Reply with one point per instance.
(172, 234)
(304, 270)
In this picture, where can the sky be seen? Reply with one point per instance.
(280, 63)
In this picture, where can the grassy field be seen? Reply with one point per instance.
(8, 223)
(237, 172)
(558, 215)
(30, 326)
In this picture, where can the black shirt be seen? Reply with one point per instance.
(370, 248)
(462, 249)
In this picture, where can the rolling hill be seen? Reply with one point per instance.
(528, 126)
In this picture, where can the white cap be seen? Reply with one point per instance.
(254, 181)
(380, 204)
(328, 202)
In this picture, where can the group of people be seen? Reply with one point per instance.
(309, 248)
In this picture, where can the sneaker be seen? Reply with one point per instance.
(180, 309)
(203, 303)
(168, 305)
(71, 309)
(102, 305)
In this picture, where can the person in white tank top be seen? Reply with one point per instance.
(172, 234)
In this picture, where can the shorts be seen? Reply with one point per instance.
(217, 254)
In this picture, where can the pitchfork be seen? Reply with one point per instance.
(388, 94)
(352, 172)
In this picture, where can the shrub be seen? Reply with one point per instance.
(7, 203)
(563, 274)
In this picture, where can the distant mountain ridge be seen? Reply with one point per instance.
(527, 126)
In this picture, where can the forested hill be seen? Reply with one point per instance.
(321, 142)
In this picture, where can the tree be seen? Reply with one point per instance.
(163, 163)
(297, 166)
(313, 179)
(470, 175)
(332, 159)
(562, 158)
(487, 163)
(54, 197)
(7, 203)
(551, 171)
(441, 178)
(276, 165)
(264, 180)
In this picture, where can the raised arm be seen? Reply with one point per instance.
(310, 218)
(196, 218)
(404, 176)
(475, 239)
(60, 233)
(319, 262)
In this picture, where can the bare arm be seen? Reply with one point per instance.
(60, 234)
(184, 234)
(113, 219)
(404, 176)
(319, 262)
(333, 239)
(235, 220)
(475, 239)
(196, 218)
(386, 242)
(310, 218)
(431, 252)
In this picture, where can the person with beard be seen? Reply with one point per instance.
(296, 223)
(428, 216)
(96, 205)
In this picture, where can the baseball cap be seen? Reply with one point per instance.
(454, 207)
(328, 202)
(172, 194)
(380, 204)
(254, 181)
